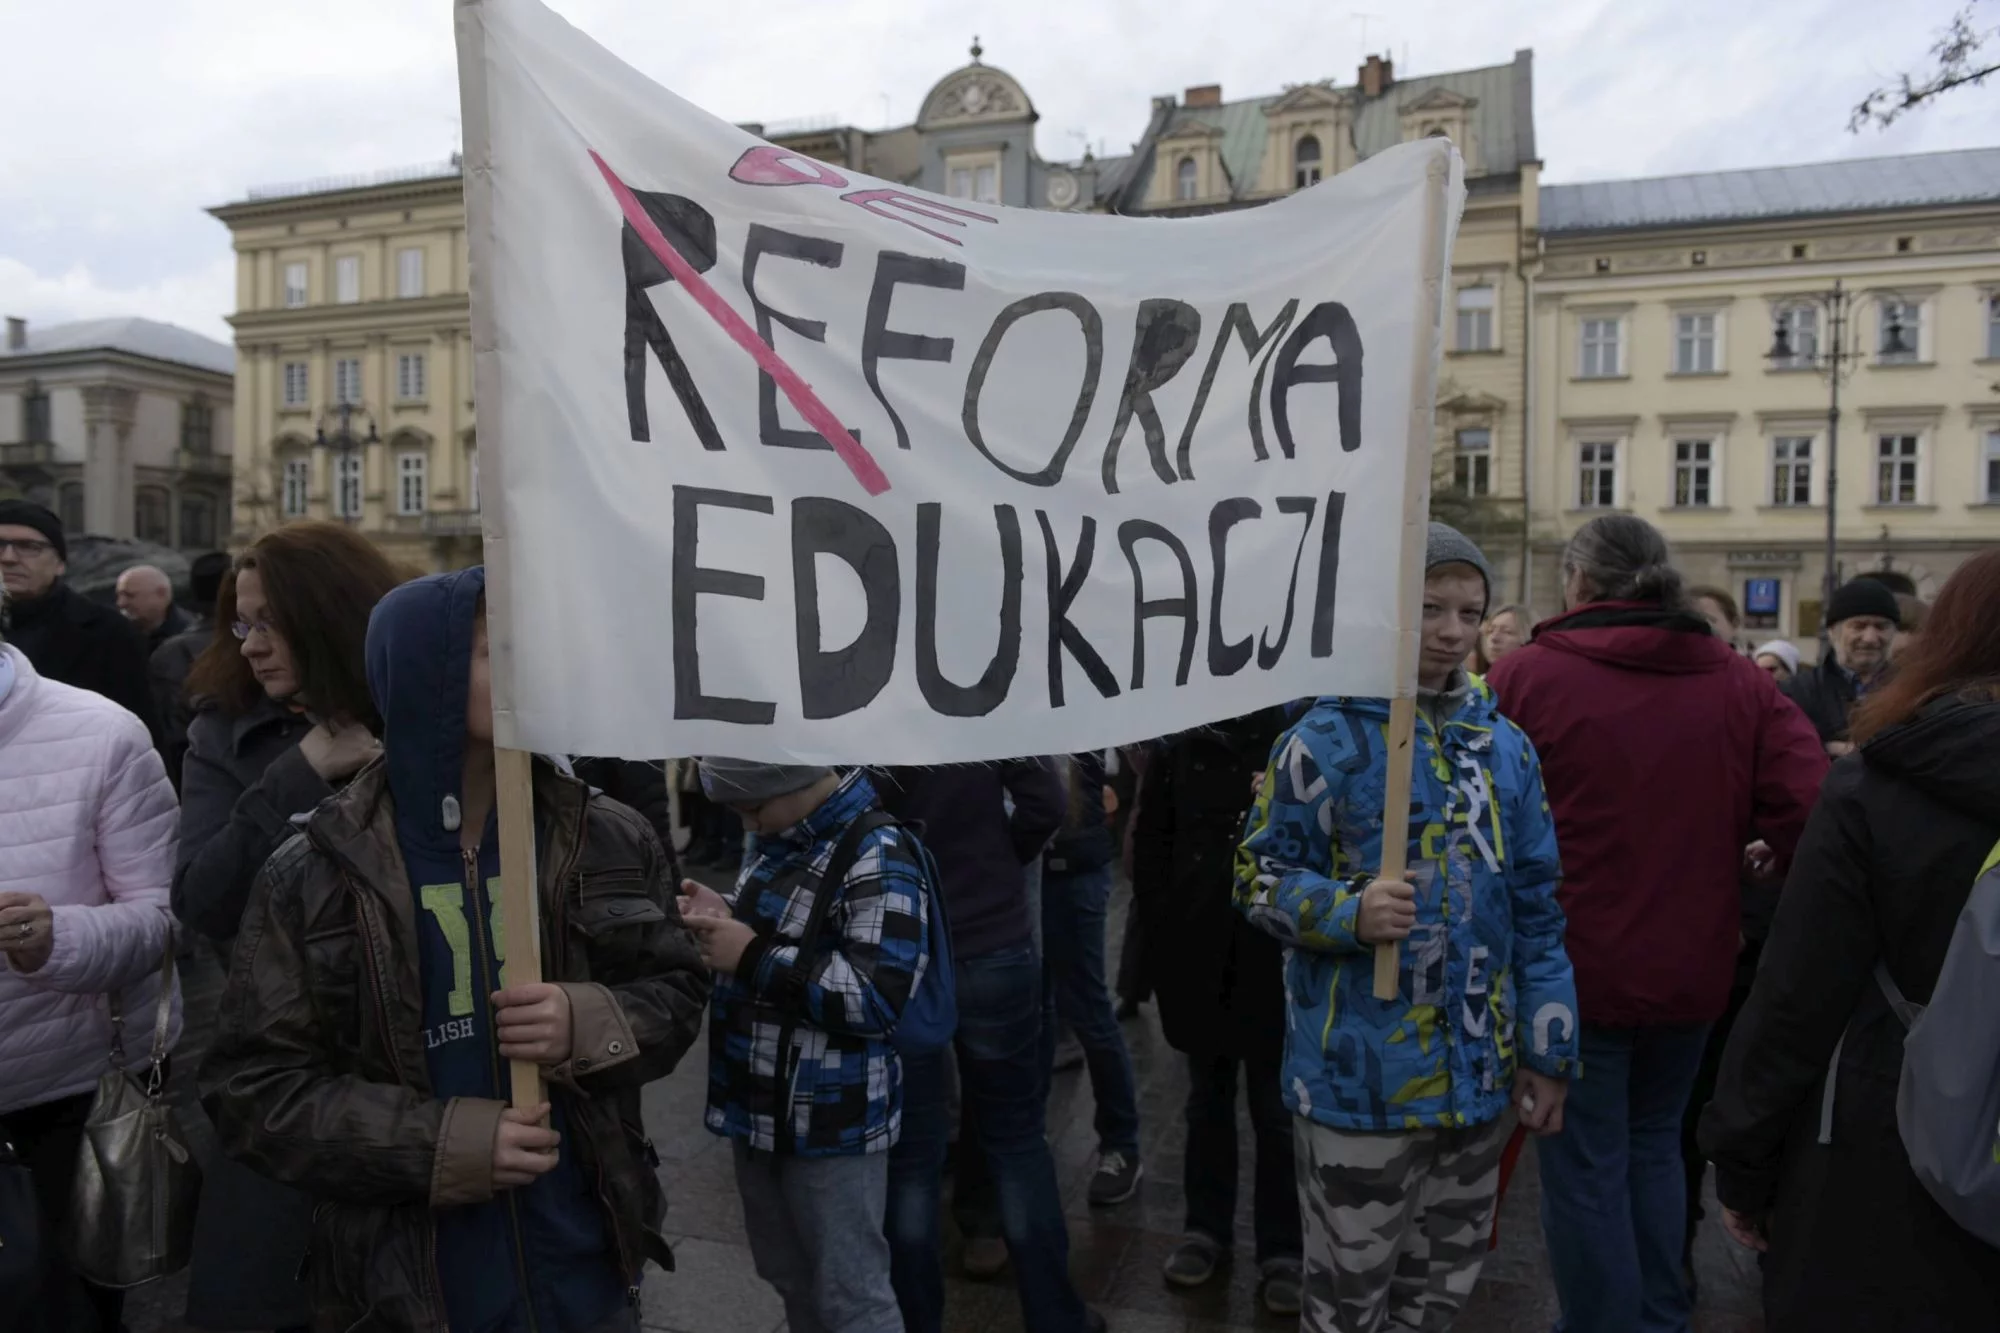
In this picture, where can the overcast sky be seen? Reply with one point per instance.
(125, 118)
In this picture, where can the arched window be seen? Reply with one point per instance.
(1305, 162)
(1436, 132)
(1185, 179)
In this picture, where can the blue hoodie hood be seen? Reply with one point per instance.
(552, 1236)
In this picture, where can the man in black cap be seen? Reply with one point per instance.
(66, 636)
(1861, 624)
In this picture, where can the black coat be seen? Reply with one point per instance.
(68, 637)
(171, 662)
(1825, 694)
(642, 785)
(1220, 983)
(1899, 835)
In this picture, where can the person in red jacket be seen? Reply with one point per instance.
(1665, 754)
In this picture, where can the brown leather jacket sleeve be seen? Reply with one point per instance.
(269, 1082)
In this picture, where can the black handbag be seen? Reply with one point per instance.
(20, 1235)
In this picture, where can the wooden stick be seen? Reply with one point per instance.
(1401, 736)
(520, 896)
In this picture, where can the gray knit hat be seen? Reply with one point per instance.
(1449, 546)
(748, 782)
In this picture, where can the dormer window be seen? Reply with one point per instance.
(1306, 163)
(1186, 180)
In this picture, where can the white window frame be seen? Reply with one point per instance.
(1991, 300)
(1688, 331)
(1801, 321)
(1308, 172)
(295, 383)
(1913, 330)
(347, 474)
(1473, 465)
(1780, 497)
(411, 373)
(1484, 315)
(1989, 464)
(1918, 460)
(1187, 179)
(1687, 459)
(296, 289)
(295, 491)
(1614, 345)
(347, 279)
(1616, 444)
(410, 272)
(412, 482)
(347, 381)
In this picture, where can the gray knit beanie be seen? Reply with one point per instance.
(1449, 546)
(748, 782)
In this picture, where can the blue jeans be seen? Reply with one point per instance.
(1614, 1195)
(998, 1047)
(1073, 913)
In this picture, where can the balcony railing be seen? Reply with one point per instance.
(452, 523)
(361, 181)
(202, 463)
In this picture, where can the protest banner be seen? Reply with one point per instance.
(784, 462)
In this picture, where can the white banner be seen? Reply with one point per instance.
(785, 462)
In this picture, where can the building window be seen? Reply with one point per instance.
(298, 384)
(347, 486)
(1990, 465)
(347, 381)
(1475, 318)
(1602, 358)
(1993, 326)
(1187, 178)
(1597, 475)
(1901, 331)
(409, 273)
(410, 376)
(1305, 162)
(298, 486)
(1801, 330)
(1472, 468)
(1694, 344)
(1694, 474)
(410, 476)
(1896, 460)
(295, 285)
(197, 521)
(69, 505)
(1791, 470)
(149, 516)
(979, 184)
(35, 414)
(198, 426)
(347, 279)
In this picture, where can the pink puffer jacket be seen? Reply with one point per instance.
(87, 821)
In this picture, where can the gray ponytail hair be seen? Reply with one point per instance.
(1624, 559)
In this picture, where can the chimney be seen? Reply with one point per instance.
(17, 333)
(1206, 95)
(1376, 75)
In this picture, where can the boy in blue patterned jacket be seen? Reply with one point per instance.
(1404, 1107)
(802, 1075)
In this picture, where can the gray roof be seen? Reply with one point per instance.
(134, 336)
(1849, 186)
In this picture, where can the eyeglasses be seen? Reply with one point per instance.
(26, 546)
(243, 629)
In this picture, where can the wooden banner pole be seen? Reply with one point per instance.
(520, 897)
(1401, 735)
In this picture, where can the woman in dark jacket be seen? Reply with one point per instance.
(1854, 1242)
(283, 718)
(1220, 985)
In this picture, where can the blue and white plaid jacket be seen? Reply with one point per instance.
(844, 1093)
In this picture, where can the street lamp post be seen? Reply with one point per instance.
(1832, 359)
(344, 440)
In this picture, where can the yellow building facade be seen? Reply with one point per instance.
(1655, 391)
(354, 362)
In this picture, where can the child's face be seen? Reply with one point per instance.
(479, 688)
(1454, 604)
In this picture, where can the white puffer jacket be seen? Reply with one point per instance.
(87, 821)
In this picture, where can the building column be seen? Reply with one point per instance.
(108, 414)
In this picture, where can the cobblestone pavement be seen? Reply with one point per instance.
(1116, 1253)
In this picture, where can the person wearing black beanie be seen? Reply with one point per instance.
(1862, 619)
(65, 636)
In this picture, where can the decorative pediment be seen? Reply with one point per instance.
(975, 94)
(1439, 99)
(1190, 131)
(1472, 403)
(1308, 97)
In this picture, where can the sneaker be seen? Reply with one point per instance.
(1192, 1263)
(1282, 1289)
(984, 1257)
(1115, 1180)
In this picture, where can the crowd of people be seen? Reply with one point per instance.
(1670, 900)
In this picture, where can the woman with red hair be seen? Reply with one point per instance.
(1820, 1179)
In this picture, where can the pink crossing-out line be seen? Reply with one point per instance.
(859, 461)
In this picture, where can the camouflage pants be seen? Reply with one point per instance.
(1396, 1224)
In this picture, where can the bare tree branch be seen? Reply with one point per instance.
(1955, 51)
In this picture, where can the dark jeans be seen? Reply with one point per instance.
(47, 1139)
(1692, 1162)
(1209, 1168)
(1073, 915)
(1614, 1202)
(998, 1047)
